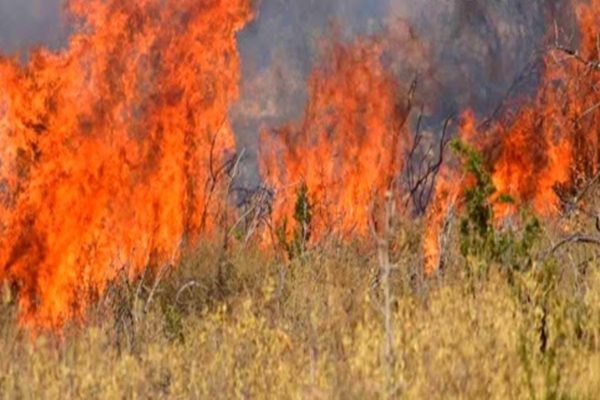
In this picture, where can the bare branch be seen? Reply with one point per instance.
(182, 289)
(573, 239)
(421, 190)
(575, 54)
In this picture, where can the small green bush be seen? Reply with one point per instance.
(482, 244)
(297, 244)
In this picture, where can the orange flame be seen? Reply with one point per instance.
(108, 148)
(446, 194)
(548, 145)
(349, 146)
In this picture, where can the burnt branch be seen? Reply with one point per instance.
(574, 202)
(527, 74)
(573, 239)
(421, 187)
(217, 174)
(576, 55)
(255, 210)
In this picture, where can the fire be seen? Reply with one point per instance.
(446, 195)
(348, 148)
(545, 147)
(110, 148)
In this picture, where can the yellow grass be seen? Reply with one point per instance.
(249, 326)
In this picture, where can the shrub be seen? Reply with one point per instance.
(296, 245)
(482, 244)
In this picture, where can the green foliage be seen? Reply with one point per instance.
(233, 323)
(317, 333)
(296, 246)
(481, 243)
(303, 214)
(535, 285)
(478, 236)
(172, 320)
(548, 318)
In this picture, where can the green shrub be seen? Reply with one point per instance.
(296, 245)
(482, 244)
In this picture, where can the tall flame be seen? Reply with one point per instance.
(109, 148)
(553, 143)
(347, 149)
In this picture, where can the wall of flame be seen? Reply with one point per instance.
(110, 146)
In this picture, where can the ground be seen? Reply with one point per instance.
(248, 323)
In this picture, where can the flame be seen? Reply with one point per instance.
(348, 148)
(109, 148)
(549, 144)
(447, 191)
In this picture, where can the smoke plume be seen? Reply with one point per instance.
(26, 23)
(476, 51)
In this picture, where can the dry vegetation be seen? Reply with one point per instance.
(508, 305)
(241, 323)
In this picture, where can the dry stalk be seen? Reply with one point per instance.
(573, 239)
(183, 289)
(383, 241)
(161, 274)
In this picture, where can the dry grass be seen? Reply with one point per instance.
(242, 324)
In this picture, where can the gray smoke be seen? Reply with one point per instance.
(481, 47)
(28, 23)
(279, 50)
(476, 50)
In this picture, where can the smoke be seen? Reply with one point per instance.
(27, 23)
(479, 48)
(279, 49)
(476, 50)
(478, 53)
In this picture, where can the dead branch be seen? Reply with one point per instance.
(161, 274)
(233, 171)
(573, 203)
(215, 175)
(385, 268)
(255, 208)
(420, 191)
(588, 111)
(529, 69)
(183, 288)
(576, 55)
(573, 239)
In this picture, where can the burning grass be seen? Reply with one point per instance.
(398, 267)
(111, 149)
(242, 324)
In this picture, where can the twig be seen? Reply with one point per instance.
(588, 111)
(183, 289)
(154, 287)
(592, 64)
(576, 238)
(572, 205)
(215, 175)
(159, 277)
(385, 267)
(419, 192)
(524, 74)
(232, 176)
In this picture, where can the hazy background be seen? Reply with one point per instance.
(24, 23)
(476, 49)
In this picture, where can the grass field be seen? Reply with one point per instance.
(244, 323)
(408, 265)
